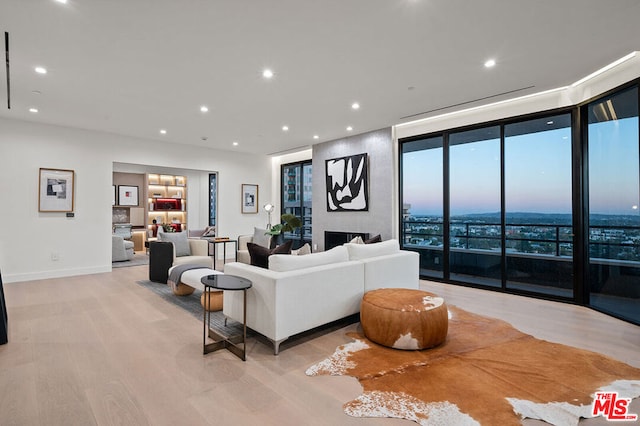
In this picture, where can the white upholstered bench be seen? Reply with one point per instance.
(191, 280)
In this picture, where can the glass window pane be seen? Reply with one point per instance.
(475, 225)
(213, 198)
(297, 196)
(614, 199)
(539, 206)
(422, 189)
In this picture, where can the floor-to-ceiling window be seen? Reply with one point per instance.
(614, 204)
(475, 225)
(296, 199)
(547, 204)
(423, 205)
(538, 218)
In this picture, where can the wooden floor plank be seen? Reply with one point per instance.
(101, 349)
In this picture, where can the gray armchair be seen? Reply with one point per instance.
(121, 249)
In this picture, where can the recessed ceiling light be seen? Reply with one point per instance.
(490, 63)
(204, 108)
(550, 122)
(235, 144)
(285, 128)
(62, 1)
(316, 136)
(163, 132)
(41, 70)
(267, 73)
(33, 110)
(355, 105)
(349, 128)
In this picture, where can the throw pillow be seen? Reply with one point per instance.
(260, 238)
(209, 232)
(376, 239)
(260, 255)
(305, 249)
(357, 240)
(179, 240)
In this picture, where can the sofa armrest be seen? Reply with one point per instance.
(199, 247)
(397, 270)
(243, 240)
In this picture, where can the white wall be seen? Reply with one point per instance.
(380, 218)
(83, 243)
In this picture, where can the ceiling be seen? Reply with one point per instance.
(133, 67)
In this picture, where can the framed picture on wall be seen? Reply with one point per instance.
(249, 198)
(113, 191)
(347, 183)
(127, 195)
(56, 188)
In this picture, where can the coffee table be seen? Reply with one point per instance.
(231, 343)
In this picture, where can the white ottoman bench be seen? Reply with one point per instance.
(191, 280)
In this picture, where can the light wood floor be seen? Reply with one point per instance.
(100, 349)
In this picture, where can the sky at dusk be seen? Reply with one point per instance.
(537, 173)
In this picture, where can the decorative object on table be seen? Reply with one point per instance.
(56, 190)
(347, 183)
(484, 362)
(249, 198)
(269, 209)
(127, 195)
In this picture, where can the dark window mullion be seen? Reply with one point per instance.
(503, 215)
(446, 210)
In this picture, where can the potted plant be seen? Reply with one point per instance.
(289, 223)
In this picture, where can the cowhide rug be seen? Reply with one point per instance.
(486, 372)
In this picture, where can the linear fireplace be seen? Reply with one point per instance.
(334, 238)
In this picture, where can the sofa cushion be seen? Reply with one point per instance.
(260, 238)
(179, 240)
(260, 255)
(365, 251)
(292, 263)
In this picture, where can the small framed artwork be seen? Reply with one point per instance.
(127, 195)
(56, 189)
(113, 191)
(249, 198)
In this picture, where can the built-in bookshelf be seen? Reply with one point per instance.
(167, 200)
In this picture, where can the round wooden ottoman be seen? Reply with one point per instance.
(403, 318)
(211, 300)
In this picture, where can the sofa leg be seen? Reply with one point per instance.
(276, 346)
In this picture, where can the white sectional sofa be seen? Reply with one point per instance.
(298, 293)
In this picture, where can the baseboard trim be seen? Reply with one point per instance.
(61, 273)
